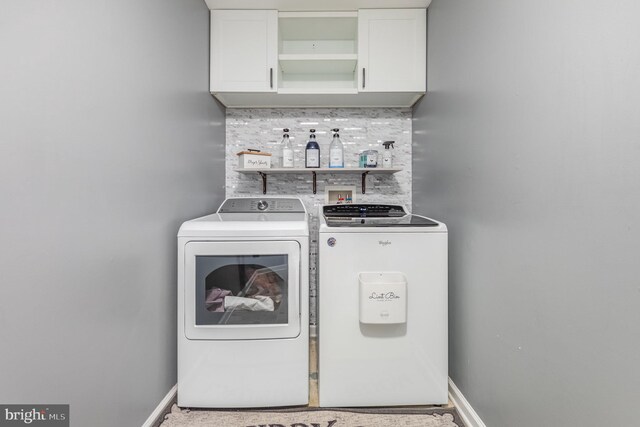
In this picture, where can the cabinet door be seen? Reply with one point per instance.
(392, 50)
(244, 53)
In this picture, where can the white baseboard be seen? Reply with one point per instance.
(468, 415)
(165, 404)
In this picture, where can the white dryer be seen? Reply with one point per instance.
(382, 301)
(243, 306)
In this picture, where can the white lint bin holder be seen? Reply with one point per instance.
(383, 297)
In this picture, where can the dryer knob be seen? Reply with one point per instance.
(262, 205)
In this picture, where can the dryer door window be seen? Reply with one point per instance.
(240, 290)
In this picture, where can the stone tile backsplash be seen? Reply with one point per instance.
(360, 129)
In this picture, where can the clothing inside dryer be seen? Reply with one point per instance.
(243, 281)
(241, 289)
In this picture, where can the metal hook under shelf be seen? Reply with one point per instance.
(364, 181)
(264, 182)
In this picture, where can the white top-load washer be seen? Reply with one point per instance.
(243, 305)
(382, 301)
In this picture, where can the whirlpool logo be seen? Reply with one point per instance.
(384, 243)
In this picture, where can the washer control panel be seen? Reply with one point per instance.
(363, 211)
(265, 204)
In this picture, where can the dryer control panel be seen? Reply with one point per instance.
(254, 204)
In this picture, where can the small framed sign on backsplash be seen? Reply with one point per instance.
(339, 194)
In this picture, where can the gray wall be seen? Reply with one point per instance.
(529, 139)
(109, 140)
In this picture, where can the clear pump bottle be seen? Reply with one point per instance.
(336, 151)
(312, 152)
(287, 150)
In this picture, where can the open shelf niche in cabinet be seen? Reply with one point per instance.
(318, 52)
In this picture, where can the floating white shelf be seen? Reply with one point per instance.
(318, 57)
(323, 170)
(316, 91)
(322, 63)
(314, 171)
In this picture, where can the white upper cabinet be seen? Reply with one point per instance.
(392, 50)
(364, 58)
(244, 51)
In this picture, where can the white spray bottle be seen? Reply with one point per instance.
(387, 156)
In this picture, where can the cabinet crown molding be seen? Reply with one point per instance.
(308, 5)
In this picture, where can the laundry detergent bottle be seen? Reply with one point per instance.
(336, 151)
(312, 152)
